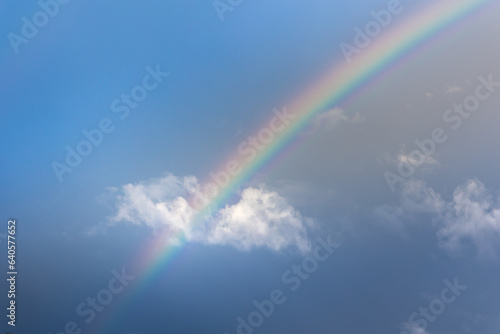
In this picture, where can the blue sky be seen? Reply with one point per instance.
(397, 250)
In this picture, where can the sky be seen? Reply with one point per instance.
(355, 170)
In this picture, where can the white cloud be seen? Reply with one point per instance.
(157, 203)
(471, 218)
(261, 218)
(450, 89)
(447, 89)
(413, 328)
(422, 163)
(333, 117)
(416, 198)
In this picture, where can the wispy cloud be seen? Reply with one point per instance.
(260, 217)
(404, 157)
(421, 162)
(450, 89)
(413, 328)
(416, 198)
(333, 117)
(470, 219)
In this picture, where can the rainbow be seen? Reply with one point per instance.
(335, 87)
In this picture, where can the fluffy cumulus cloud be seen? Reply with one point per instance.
(470, 219)
(157, 201)
(260, 217)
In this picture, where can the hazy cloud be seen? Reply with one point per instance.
(450, 89)
(470, 219)
(333, 117)
(413, 328)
